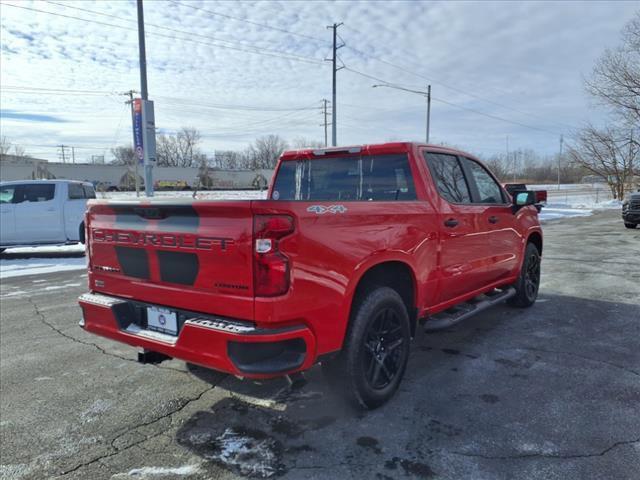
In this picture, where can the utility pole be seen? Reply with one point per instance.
(73, 154)
(62, 147)
(334, 118)
(515, 159)
(428, 110)
(560, 159)
(507, 162)
(324, 111)
(135, 159)
(426, 94)
(147, 107)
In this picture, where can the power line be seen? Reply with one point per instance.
(455, 89)
(254, 50)
(194, 102)
(161, 27)
(245, 20)
(489, 115)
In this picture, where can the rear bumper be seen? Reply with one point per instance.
(231, 346)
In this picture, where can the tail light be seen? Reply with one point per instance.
(541, 196)
(87, 243)
(270, 266)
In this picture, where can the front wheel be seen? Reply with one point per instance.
(630, 225)
(374, 358)
(529, 280)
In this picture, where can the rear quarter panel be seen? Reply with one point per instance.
(330, 252)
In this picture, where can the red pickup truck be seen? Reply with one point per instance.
(353, 248)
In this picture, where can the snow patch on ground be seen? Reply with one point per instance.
(40, 266)
(145, 472)
(253, 455)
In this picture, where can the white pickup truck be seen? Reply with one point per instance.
(43, 212)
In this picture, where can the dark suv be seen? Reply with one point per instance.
(631, 210)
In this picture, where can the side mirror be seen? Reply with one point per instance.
(522, 199)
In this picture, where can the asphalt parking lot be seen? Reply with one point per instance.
(552, 392)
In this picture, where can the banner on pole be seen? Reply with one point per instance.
(138, 130)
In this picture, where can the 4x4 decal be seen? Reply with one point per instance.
(321, 209)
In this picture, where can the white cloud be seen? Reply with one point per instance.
(530, 56)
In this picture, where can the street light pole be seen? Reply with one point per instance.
(418, 92)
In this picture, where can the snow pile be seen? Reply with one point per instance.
(575, 200)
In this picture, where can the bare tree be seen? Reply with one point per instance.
(302, 142)
(19, 151)
(615, 80)
(123, 155)
(609, 153)
(265, 151)
(180, 150)
(5, 145)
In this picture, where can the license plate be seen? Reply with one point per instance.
(162, 320)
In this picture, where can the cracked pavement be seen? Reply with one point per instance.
(552, 392)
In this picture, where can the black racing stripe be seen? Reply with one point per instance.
(167, 218)
(134, 262)
(178, 267)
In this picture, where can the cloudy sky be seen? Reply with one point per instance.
(238, 70)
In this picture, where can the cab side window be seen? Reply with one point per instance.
(488, 190)
(449, 177)
(42, 192)
(89, 191)
(7, 194)
(76, 191)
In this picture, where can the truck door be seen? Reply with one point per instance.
(7, 215)
(464, 246)
(74, 208)
(38, 214)
(495, 220)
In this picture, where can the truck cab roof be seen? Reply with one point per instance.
(370, 149)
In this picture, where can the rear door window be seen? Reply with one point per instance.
(449, 177)
(35, 192)
(367, 178)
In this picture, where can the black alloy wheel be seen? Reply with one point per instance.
(385, 349)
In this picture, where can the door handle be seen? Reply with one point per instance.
(451, 222)
(493, 219)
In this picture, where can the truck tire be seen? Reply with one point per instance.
(529, 279)
(630, 225)
(81, 233)
(373, 360)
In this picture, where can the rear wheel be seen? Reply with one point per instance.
(630, 225)
(529, 279)
(374, 358)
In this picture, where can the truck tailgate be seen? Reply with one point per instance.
(190, 255)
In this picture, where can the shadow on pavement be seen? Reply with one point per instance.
(493, 397)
